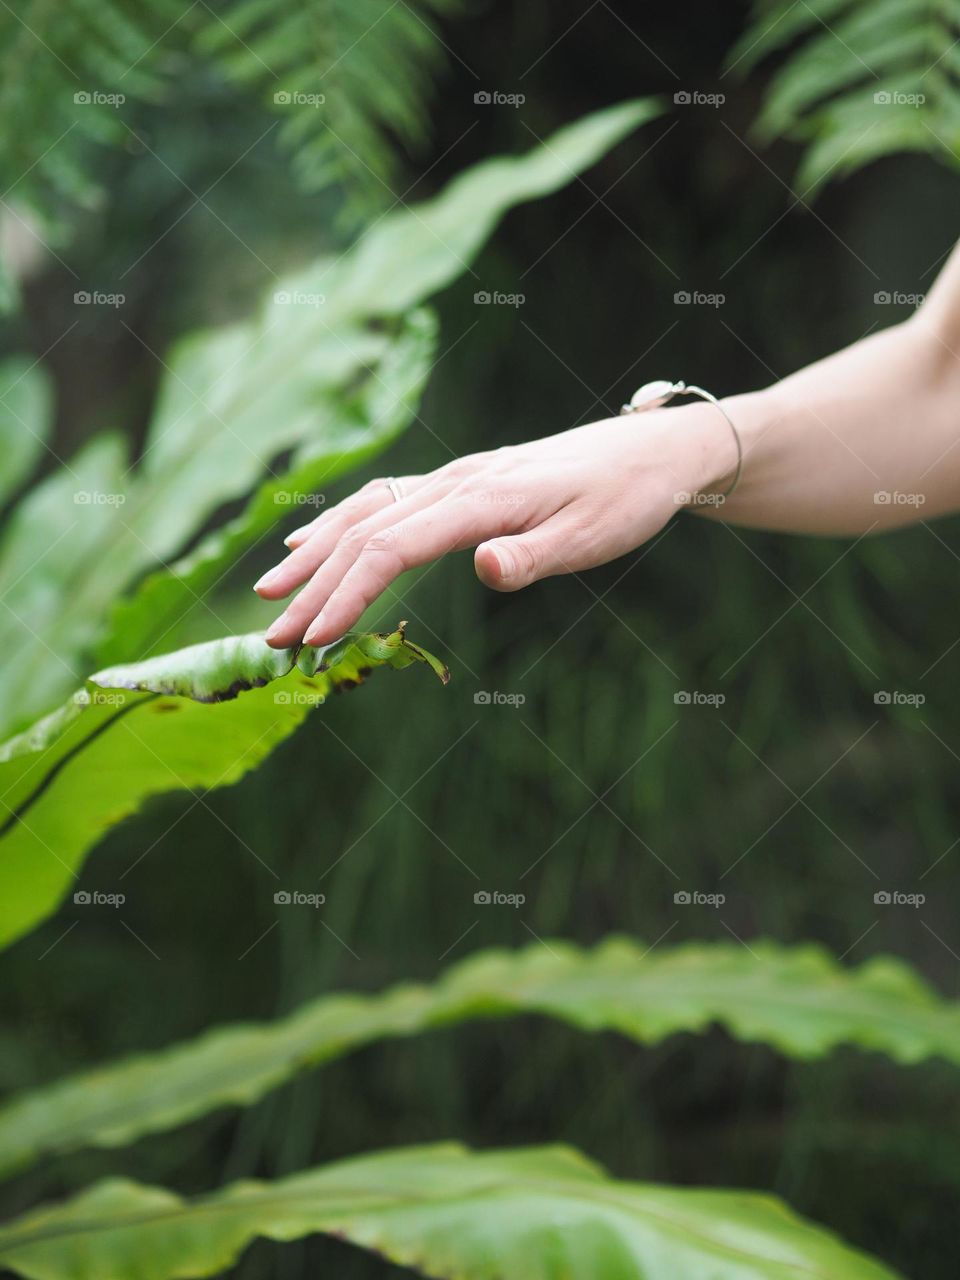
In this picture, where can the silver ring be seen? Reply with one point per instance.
(394, 486)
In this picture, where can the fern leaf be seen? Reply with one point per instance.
(65, 71)
(347, 78)
(866, 78)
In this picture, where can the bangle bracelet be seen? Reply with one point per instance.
(654, 394)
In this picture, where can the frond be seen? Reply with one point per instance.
(348, 79)
(66, 70)
(863, 78)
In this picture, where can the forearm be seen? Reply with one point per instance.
(865, 440)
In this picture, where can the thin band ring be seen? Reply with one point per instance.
(394, 486)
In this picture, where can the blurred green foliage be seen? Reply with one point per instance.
(400, 813)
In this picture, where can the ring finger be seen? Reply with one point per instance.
(323, 534)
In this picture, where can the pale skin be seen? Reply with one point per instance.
(820, 450)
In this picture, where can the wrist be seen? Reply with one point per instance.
(713, 455)
(752, 414)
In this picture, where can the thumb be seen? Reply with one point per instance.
(507, 564)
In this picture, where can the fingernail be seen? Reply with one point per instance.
(289, 539)
(266, 580)
(277, 627)
(314, 631)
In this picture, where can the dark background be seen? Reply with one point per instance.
(489, 791)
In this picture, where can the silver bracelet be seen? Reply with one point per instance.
(654, 394)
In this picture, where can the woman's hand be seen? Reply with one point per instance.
(557, 505)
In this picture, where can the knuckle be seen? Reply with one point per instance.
(459, 468)
(382, 540)
(529, 558)
(472, 464)
(353, 540)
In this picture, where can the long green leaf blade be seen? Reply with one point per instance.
(797, 999)
(443, 1211)
(25, 412)
(200, 717)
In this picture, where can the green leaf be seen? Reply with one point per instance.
(346, 78)
(381, 409)
(865, 78)
(59, 66)
(799, 1000)
(444, 1211)
(775, 25)
(330, 370)
(25, 412)
(415, 252)
(168, 723)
